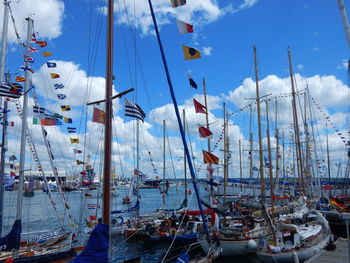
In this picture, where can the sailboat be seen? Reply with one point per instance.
(11, 245)
(299, 235)
(97, 248)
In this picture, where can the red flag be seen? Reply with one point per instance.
(42, 43)
(199, 107)
(98, 116)
(83, 173)
(210, 158)
(48, 122)
(210, 170)
(204, 132)
(184, 27)
(92, 218)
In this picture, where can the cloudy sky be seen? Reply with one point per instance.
(224, 32)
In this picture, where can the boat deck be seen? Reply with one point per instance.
(340, 254)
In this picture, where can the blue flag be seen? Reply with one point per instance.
(51, 64)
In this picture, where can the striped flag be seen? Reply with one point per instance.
(71, 129)
(10, 90)
(58, 86)
(210, 158)
(134, 110)
(176, 3)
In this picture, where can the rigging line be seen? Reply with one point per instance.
(126, 46)
(137, 56)
(172, 165)
(118, 147)
(177, 232)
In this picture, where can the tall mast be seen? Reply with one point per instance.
(206, 115)
(272, 195)
(207, 124)
(240, 162)
(108, 120)
(163, 163)
(4, 41)
(23, 130)
(4, 128)
(250, 146)
(3, 152)
(328, 159)
(261, 166)
(345, 20)
(185, 168)
(296, 129)
(277, 149)
(225, 154)
(176, 108)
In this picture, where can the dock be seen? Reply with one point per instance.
(340, 254)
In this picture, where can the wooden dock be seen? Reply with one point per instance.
(338, 255)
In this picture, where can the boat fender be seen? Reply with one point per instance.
(251, 244)
(119, 220)
(295, 257)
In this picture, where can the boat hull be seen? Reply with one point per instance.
(232, 247)
(287, 257)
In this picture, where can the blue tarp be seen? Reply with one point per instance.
(183, 258)
(12, 239)
(96, 250)
(134, 208)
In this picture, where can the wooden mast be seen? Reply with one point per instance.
(261, 166)
(108, 120)
(296, 129)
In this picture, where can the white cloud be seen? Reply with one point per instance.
(343, 65)
(198, 13)
(47, 16)
(300, 67)
(207, 50)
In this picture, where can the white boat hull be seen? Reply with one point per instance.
(288, 257)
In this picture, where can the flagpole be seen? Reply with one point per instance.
(23, 131)
(2, 71)
(172, 93)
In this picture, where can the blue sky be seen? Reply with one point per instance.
(225, 32)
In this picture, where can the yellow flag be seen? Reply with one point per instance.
(47, 54)
(191, 53)
(54, 75)
(73, 140)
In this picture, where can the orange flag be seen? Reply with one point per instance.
(54, 75)
(98, 116)
(210, 158)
